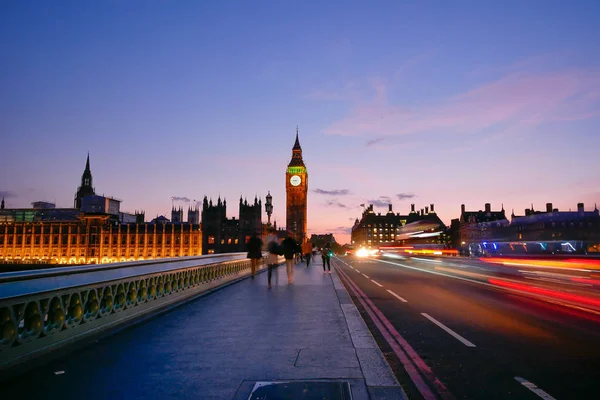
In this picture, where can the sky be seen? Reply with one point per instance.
(401, 102)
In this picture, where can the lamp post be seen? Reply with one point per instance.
(269, 208)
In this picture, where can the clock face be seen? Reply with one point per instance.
(295, 180)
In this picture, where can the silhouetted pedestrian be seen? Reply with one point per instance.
(254, 246)
(307, 250)
(326, 256)
(274, 251)
(289, 250)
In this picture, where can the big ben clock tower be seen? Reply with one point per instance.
(296, 190)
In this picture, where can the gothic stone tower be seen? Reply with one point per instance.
(212, 217)
(296, 190)
(86, 188)
(250, 220)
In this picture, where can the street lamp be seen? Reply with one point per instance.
(269, 208)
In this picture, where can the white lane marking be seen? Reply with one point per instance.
(377, 283)
(425, 259)
(402, 299)
(59, 372)
(366, 276)
(448, 330)
(357, 271)
(534, 388)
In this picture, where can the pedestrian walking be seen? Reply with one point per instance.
(289, 250)
(274, 250)
(307, 250)
(254, 247)
(326, 256)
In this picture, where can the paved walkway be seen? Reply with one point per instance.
(218, 346)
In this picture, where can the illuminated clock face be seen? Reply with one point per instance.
(295, 180)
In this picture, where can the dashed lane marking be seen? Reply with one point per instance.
(448, 330)
(402, 299)
(534, 388)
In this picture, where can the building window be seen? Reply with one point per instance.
(222, 241)
(211, 251)
(229, 241)
(236, 240)
(211, 240)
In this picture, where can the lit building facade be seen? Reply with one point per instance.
(95, 231)
(96, 239)
(374, 230)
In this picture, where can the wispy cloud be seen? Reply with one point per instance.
(517, 99)
(404, 196)
(177, 198)
(382, 201)
(373, 142)
(334, 192)
(7, 194)
(335, 203)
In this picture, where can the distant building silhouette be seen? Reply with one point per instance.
(223, 235)
(176, 215)
(193, 214)
(86, 188)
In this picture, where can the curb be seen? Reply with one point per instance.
(379, 378)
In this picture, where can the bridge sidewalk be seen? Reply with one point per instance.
(218, 346)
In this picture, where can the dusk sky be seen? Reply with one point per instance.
(401, 101)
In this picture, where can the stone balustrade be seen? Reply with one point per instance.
(43, 310)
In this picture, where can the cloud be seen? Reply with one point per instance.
(404, 196)
(373, 142)
(382, 201)
(7, 194)
(184, 199)
(335, 203)
(335, 192)
(342, 229)
(521, 100)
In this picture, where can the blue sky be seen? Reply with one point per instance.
(450, 102)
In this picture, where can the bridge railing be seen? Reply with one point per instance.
(43, 310)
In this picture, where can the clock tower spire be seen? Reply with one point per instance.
(296, 189)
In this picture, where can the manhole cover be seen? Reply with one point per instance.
(301, 390)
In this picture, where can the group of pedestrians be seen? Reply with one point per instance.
(288, 248)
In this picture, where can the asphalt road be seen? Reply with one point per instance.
(480, 342)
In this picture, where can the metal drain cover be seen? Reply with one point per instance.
(301, 390)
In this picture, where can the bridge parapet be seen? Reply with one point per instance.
(43, 310)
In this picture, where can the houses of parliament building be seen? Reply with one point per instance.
(93, 231)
